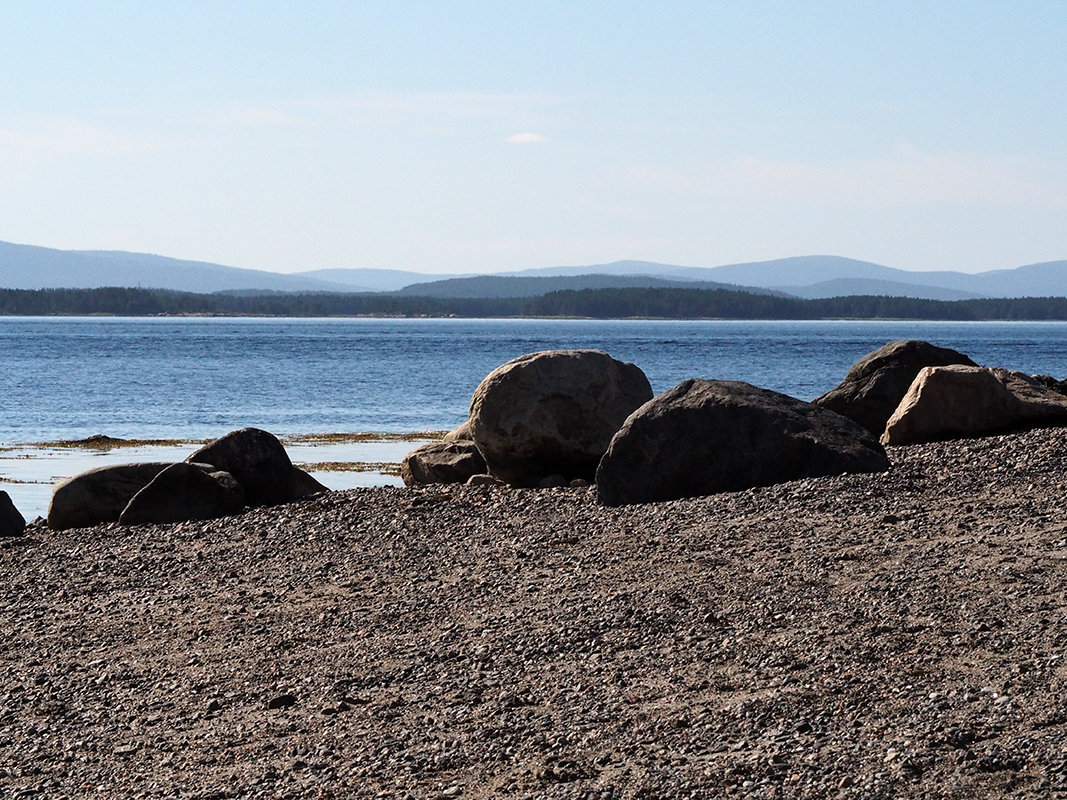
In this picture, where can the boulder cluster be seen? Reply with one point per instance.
(248, 467)
(573, 417)
(910, 392)
(577, 417)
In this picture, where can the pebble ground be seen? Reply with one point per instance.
(871, 636)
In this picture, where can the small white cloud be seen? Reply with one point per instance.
(526, 138)
(261, 117)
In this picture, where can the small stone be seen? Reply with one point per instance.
(282, 701)
(484, 480)
(552, 482)
(452, 791)
(214, 705)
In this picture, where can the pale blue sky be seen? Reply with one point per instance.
(485, 136)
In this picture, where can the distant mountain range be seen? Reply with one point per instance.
(533, 286)
(30, 267)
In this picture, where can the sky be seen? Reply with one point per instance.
(490, 136)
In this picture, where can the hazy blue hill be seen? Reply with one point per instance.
(1047, 279)
(834, 276)
(816, 276)
(850, 287)
(808, 276)
(534, 286)
(29, 267)
(807, 270)
(366, 279)
(620, 268)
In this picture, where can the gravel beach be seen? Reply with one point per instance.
(867, 636)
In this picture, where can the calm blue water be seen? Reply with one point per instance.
(66, 378)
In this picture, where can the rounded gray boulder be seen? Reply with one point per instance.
(553, 412)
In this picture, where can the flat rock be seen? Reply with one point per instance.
(460, 434)
(959, 401)
(704, 437)
(442, 462)
(99, 495)
(875, 385)
(12, 523)
(553, 412)
(183, 492)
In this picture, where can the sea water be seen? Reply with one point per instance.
(191, 379)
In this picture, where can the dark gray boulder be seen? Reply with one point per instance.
(12, 523)
(260, 464)
(553, 412)
(98, 495)
(303, 484)
(875, 385)
(442, 462)
(183, 492)
(704, 437)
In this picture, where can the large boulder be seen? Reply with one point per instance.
(260, 464)
(184, 492)
(875, 384)
(704, 437)
(12, 523)
(957, 402)
(553, 412)
(442, 462)
(98, 495)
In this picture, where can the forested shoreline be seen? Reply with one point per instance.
(585, 303)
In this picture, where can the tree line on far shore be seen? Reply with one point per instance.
(585, 303)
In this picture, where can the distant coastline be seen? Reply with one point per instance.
(610, 303)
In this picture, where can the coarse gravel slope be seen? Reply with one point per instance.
(868, 636)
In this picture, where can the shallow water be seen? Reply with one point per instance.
(28, 472)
